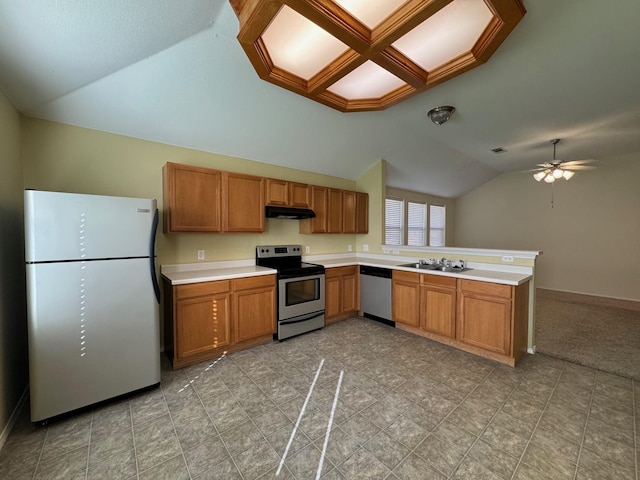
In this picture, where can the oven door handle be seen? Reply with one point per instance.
(298, 320)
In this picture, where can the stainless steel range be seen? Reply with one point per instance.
(300, 289)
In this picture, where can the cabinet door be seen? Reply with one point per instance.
(332, 293)
(362, 213)
(192, 199)
(438, 310)
(349, 289)
(319, 204)
(349, 218)
(202, 324)
(405, 298)
(277, 192)
(485, 321)
(335, 217)
(254, 312)
(243, 197)
(299, 195)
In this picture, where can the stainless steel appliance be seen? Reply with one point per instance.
(300, 289)
(375, 293)
(92, 299)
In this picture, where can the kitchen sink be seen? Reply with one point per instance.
(436, 267)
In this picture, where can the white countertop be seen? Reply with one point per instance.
(184, 276)
(483, 275)
(207, 272)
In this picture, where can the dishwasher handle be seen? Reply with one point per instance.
(375, 271)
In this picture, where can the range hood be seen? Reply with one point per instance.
(288, 212)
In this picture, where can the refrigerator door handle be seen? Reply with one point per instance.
(152, 257)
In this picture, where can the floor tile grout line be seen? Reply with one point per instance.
(44, 442)
(86, 475)
(635, 425)
(586, 423)
(133, 436)
(175, 432)
(209, 416)
(535, 428)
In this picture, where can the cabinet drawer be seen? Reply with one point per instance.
(437, 280)
(332, 272)
(486, 288)
(254, 282)
(350, 270)
(406, 276)
(202, 288)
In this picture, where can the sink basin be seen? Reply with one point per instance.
(421, 266)
(439, 268)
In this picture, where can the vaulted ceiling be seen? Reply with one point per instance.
(173, 72)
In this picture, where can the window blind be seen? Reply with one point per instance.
(416, 224)
(436, 225)
(393, 221)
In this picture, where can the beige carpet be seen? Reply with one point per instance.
(597, 332)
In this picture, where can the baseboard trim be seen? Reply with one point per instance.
(14, 416)
(589, 294)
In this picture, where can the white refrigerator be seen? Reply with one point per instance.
(92, 299)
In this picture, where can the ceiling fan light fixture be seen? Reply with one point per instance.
(567, 174)
(440, 115)
(557, 172)
(549, 178)
(539, 176)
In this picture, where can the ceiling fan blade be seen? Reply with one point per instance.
(578, 162)
(579, 167)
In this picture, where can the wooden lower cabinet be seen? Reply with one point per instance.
(484, 318)
(341, 293)
(252, 298)
(204, 320)
(438, 305)
(493, 317)
(405, 296)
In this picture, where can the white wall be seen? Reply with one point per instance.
(590, 239)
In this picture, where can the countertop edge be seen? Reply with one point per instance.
(215, 274)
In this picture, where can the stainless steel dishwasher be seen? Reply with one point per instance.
(375, 293)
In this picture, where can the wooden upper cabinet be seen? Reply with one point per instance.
(243, 200)
(299, 195)
(192, 199)
(362, 212)
(277, 192)
(335, 213)
(319, 204)
(287, 194)
(349, 218)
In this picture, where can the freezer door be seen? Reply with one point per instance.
(71, 226)
(93, 333)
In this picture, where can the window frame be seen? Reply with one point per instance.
(404, 226)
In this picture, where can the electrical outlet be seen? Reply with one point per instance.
(307, 249)
(396, 251)
(365, 248)
(200, 254)
(350, 248)
(507, 258)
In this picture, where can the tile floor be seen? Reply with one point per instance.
(408, 408)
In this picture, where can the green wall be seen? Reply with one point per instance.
(13, 324)
(71, 159)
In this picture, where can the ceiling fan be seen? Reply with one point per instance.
(557, 169)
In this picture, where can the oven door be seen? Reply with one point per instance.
(300, 296)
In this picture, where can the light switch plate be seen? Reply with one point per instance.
(200, 254)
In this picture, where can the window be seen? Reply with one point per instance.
(393, 234)
(416, 224)
(436, 225)
(407, 223)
